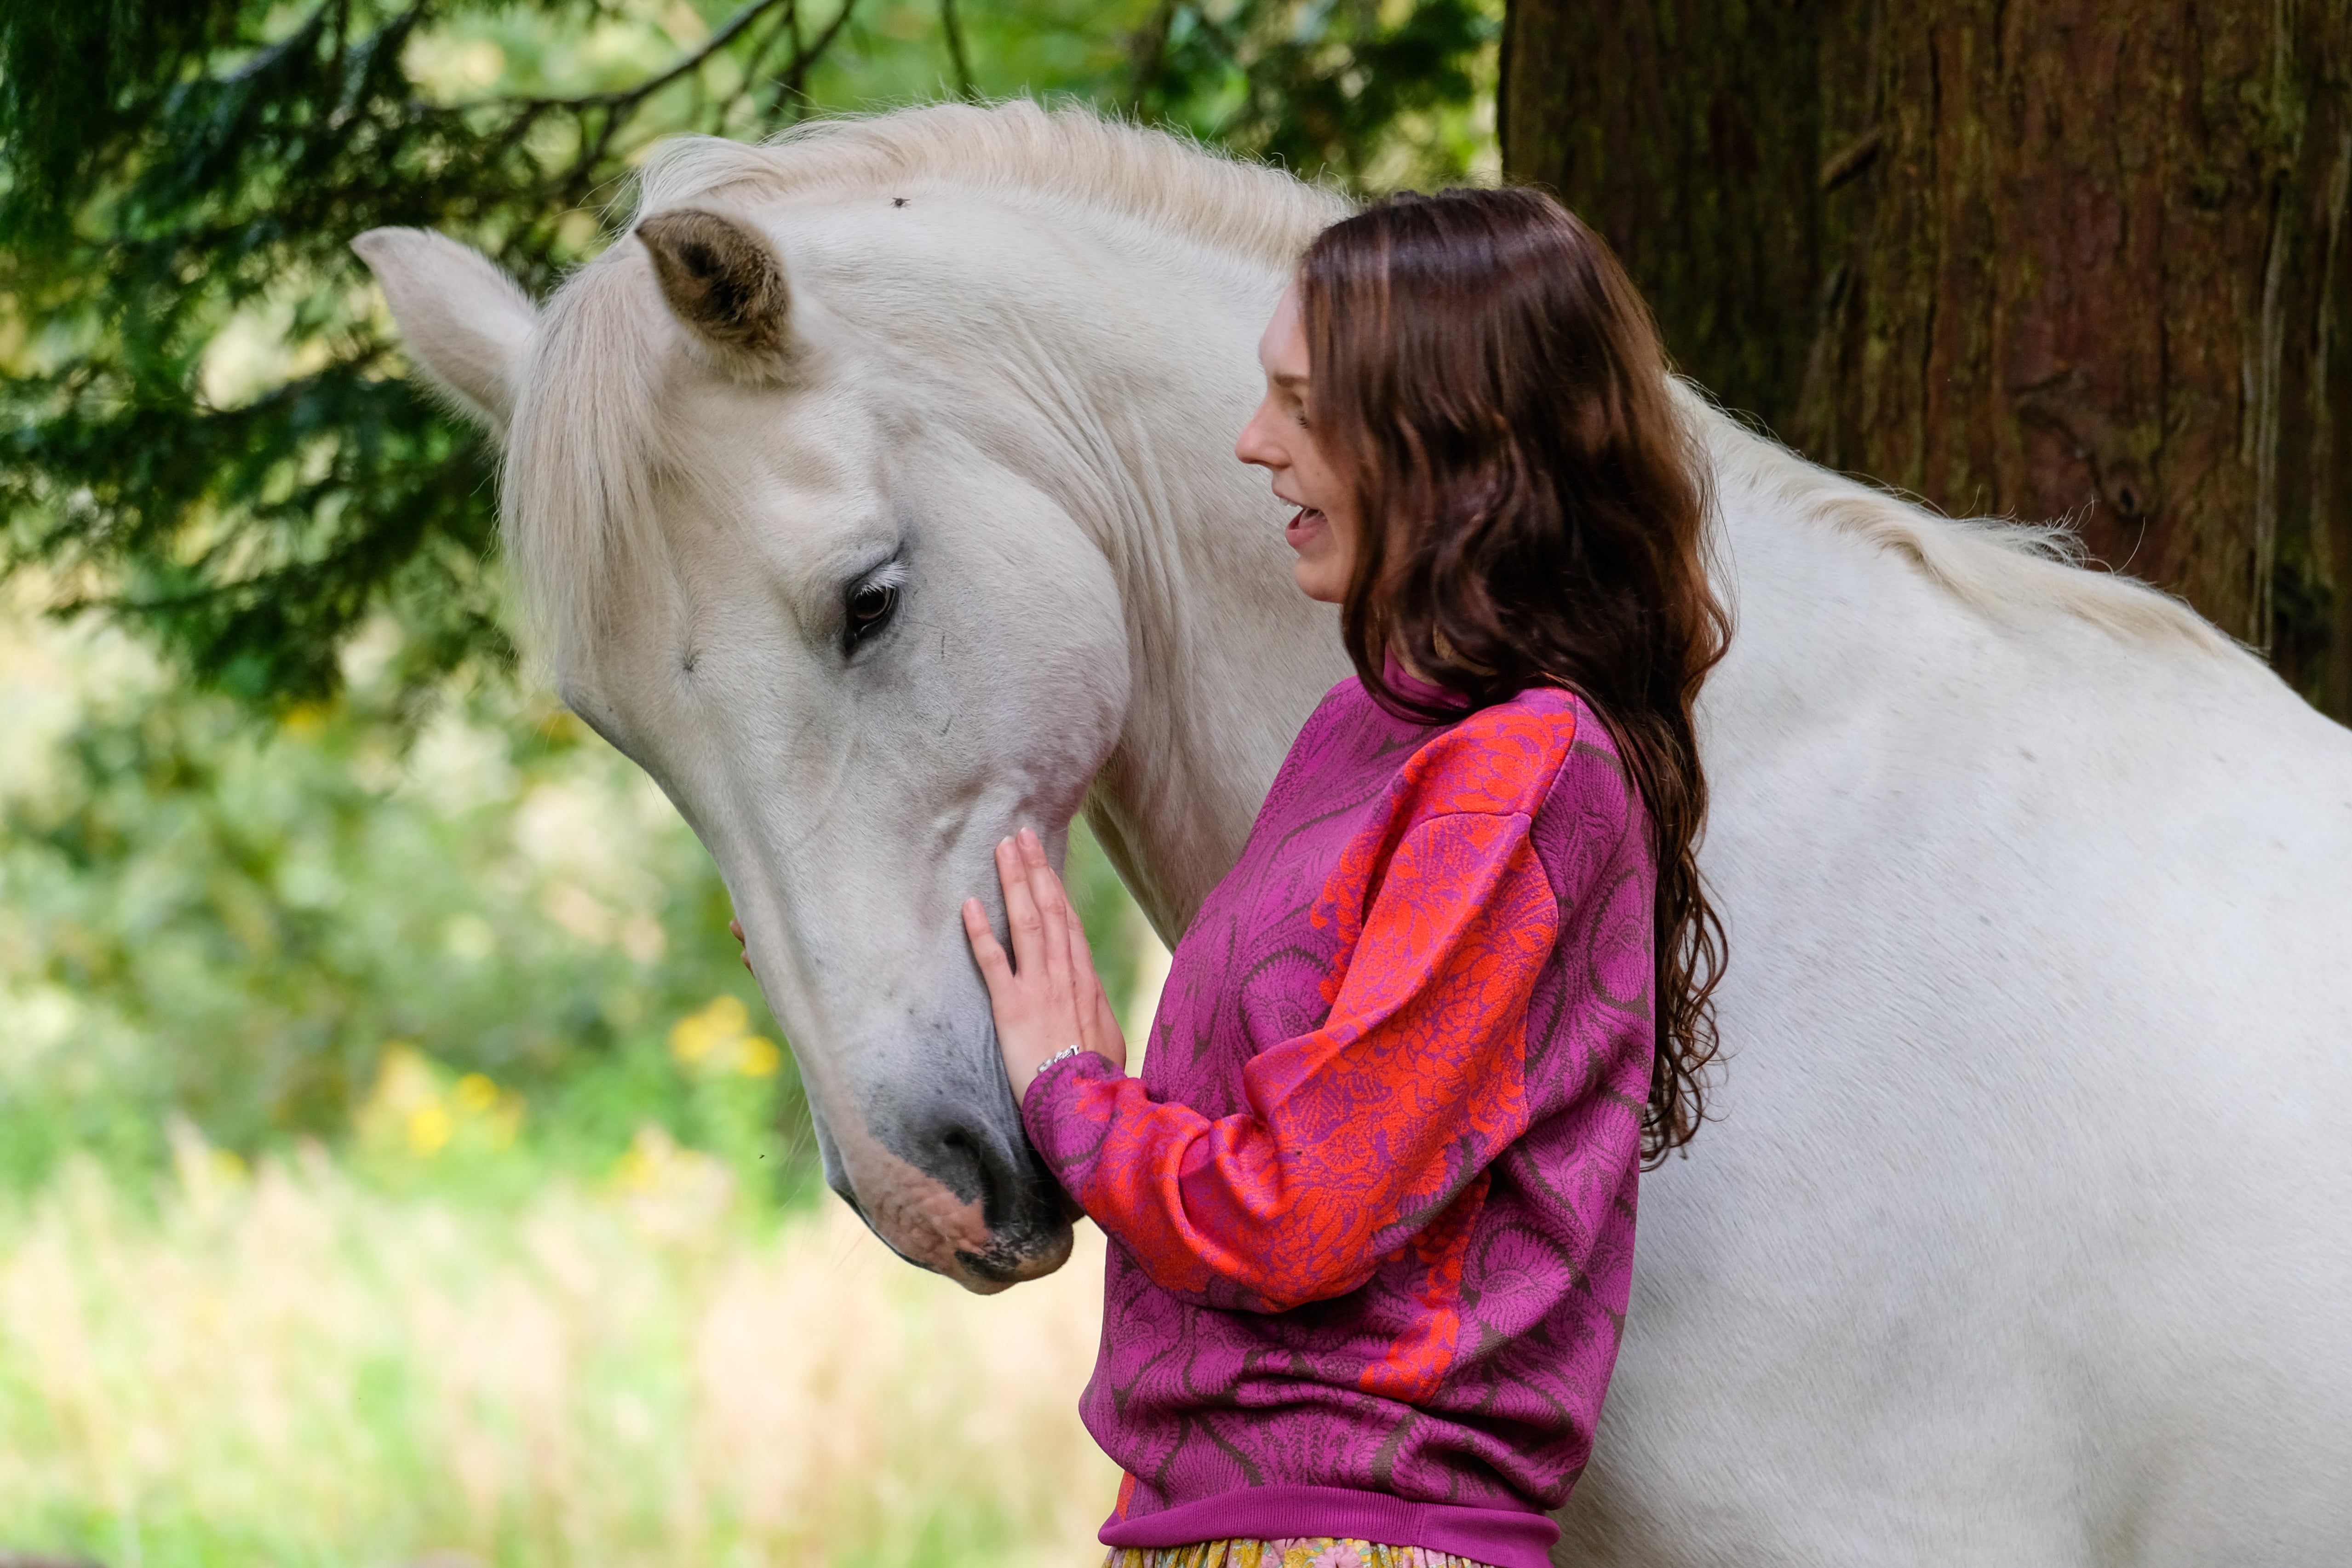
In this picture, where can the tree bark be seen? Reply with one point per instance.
(2031, 258)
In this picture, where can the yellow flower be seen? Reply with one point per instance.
(429, 1126)
(475, 1094)
(758, 1057)
(404, 1078)
(698, 1034)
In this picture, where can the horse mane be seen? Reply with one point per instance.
(586, 438)
(1014, 148)
(2000, 569)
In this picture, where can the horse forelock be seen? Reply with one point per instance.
(577, 494)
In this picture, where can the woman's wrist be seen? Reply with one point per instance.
(1065, 1054)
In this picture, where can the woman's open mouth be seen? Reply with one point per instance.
(1303, 526)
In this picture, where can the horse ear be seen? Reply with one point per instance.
(724, 280)
(465, 323)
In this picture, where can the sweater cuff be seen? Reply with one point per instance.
(1066, 1113)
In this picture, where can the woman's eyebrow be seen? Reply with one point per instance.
(1287, 382)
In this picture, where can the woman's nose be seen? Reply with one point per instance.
(1252, 446)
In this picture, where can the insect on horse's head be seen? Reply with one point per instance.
(854, 650)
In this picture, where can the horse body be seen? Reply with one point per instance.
(2012, 1243)
(2022, 1235)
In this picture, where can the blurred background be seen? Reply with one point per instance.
(395, 1162)
(395, 1165)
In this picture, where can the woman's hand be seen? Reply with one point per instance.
(1046, 997)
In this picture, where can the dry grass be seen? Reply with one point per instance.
(292, 1369)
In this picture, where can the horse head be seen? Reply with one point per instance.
(854, 649)
(875, 493)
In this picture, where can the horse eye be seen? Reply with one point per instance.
(871, 606)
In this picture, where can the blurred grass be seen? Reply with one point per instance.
(295, 1368)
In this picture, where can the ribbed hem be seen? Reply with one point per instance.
(1507, 1538)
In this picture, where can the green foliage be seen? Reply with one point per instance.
(203, 424)
(1379, 95)
(78, 77)
(488, 925)
(475, 946)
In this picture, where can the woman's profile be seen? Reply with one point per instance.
(1372, 1200)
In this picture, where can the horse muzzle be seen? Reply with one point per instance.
(955, 1199)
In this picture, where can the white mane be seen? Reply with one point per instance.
(2003, 569)
(1018, 149)
(587, 433)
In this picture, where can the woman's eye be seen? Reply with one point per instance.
(871, 606)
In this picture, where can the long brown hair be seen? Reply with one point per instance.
(1533, 512)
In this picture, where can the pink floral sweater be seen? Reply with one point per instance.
(1371, 1203)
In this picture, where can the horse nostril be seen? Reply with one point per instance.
(967, 1170)
(1025, 1232)
(971, 1160)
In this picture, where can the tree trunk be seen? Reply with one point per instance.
(2034, 258)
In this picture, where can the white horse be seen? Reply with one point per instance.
(875, 496)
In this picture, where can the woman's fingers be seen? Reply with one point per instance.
(1082, 959)
(1097, 1018)
(1044, 992)
(1022, 920)
(995, 968)
(1091, 1015)
(1053, 915)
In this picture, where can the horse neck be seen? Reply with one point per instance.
(1125, 420)
(1125, 413)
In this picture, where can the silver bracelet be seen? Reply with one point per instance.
(1065, 1054)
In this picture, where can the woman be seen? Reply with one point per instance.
(1372, 1201)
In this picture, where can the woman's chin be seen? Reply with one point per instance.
(1319, 580)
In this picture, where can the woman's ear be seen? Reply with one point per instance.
(724, 281)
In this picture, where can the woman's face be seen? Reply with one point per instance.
(1280, 439)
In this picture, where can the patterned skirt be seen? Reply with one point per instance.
(1304, 1552)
